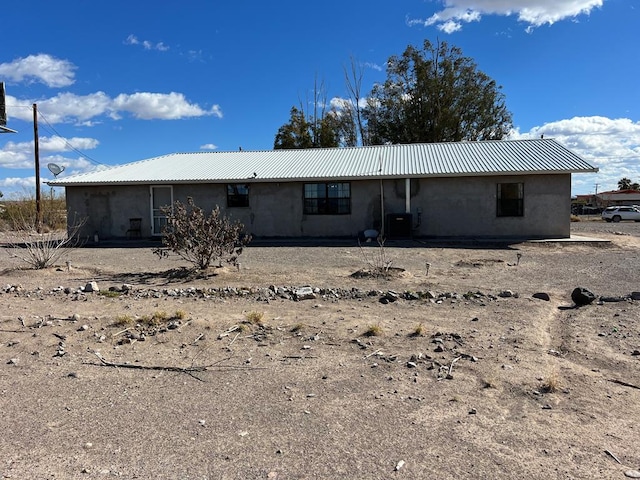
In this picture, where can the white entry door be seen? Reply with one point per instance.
(161, 196)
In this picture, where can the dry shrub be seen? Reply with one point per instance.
(374, 331)
(551, 383)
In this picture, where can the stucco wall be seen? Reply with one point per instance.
(441, 207)
(467, 207)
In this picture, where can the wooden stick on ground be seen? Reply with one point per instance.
(169, 368)
(624, 384)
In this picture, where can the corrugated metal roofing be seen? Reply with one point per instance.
(507, 157)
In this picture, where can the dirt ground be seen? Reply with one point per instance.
(458, 373)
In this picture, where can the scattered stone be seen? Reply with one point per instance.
(635, 353)
(473, 411)
(304, 293)
(399, 465)
(506, 294)
(635, 296)
(12, 361)
(612, 299)
(541, 296)
(91, 287)
(412, 364)
(581, 296)
(632, 474)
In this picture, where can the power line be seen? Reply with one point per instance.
(71, 147)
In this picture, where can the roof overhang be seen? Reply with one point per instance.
(250, 180)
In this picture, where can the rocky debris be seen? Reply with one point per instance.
(273, 292)
(581, 296)
(541, 296)
(632, 474)
(304, 293)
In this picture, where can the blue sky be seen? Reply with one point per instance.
(117, 82)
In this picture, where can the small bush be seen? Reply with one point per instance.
(124, 321)
(551, 383)
(180, 315)
(376, 262)
(254, 317)
(374, 331)
(200, 239)
(297, 328)
(419, 331)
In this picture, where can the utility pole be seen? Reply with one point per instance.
(37, 161)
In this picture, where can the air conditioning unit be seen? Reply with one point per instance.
(399, 225)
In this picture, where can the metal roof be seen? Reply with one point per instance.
(505, 157)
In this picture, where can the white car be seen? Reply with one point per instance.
(621, 212)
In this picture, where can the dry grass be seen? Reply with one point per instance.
(551, 383)
(419, 331)
(254, 317)
(374, 331)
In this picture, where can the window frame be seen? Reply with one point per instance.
(237, 200)
(511, 205)
(317, 198)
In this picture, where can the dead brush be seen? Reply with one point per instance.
(374, 331)
(255, 318)
(419, 330)
(298, 327)
(551, 383)
(124, 321)
(376, 262)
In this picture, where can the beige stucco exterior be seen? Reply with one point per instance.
(441, 207)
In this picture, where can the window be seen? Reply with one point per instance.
(510, 199)
(237, 195)
(327, 198)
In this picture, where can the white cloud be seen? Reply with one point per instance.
(165, 106)
(208, 146)
(17, 183)
(83, 109)
(612, 145)
(20, 155)
(532, 12)
(146, 44)
(42, 68)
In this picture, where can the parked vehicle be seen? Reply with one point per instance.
(621, 212)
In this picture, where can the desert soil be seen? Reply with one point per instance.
(229, 377)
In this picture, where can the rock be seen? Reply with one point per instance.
(635, 295)
(612, 299)
(304, 293)
(632, 474)
(91, 287)
(541, 296)
(581, 296)
(506, 294)
(12, 361)
(391, 296)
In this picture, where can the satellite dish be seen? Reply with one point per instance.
(55, 169)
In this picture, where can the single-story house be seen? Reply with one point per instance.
(512, 188)
(619, 197)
